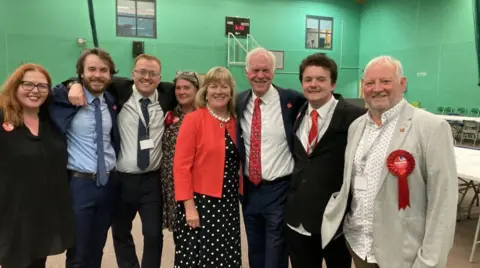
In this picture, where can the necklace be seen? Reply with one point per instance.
(221, 119)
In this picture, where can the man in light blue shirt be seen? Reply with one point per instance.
(93, 142)
(81, 137)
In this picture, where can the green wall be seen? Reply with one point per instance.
(190, 35)
(3, 55)
(431, 36)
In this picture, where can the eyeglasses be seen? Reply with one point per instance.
(144, 73)
(187, 73)
(29, 86)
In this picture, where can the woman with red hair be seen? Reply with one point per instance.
(35, 209)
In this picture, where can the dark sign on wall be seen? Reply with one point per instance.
(237, 26)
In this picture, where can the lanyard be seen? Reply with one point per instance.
(138, 109)
(391, 119)
(369, 145)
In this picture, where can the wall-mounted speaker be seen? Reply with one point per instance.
(137, 48)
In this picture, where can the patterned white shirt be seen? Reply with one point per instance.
(368, 163)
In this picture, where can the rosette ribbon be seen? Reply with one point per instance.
(401, 164)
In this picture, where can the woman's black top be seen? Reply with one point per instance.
(36, 215)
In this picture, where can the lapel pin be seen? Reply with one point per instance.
(402, 129)
(289, 105)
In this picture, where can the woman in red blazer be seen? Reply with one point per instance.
(206, 178)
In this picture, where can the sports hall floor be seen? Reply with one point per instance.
(458, 258)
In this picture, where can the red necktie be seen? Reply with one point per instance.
(255, 157)
(312, 135)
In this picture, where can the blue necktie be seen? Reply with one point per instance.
(143, 157)
(101, 169)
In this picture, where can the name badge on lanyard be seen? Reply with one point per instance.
(146, 143)
(360, 183)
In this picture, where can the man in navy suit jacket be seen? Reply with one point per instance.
(93, 143)
(266, 114)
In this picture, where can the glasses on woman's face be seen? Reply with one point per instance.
(29, 86)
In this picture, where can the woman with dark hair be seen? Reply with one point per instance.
(36, 217)
(186, 86)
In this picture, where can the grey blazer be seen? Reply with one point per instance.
(422, 235)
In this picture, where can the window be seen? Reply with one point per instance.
(318, 32)
(136, 18)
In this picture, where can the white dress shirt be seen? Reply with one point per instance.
(276, 158)
(368, 163)
(128, 121)
(325, 113)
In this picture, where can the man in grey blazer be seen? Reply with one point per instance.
(390, 220)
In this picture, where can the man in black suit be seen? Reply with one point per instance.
(141, 106)
(320, 141)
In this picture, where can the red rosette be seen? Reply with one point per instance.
(169, 117)
(401, 164)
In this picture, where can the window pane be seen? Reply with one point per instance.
(325, 25)
(146, 27)
(125, 7)
(145, 9)
(326, 34)
(325, 41)
(312, 23)
(126, 26)
(319, 32)
(146, 19)
(312, 39)
(136, 18)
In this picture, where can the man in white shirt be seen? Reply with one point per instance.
(266, 114)
(401, 175)
(320, 141)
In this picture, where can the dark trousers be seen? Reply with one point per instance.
(307, 252)
(359, 262)
(38, 263)
(140, 193)
(94, 208)
(263, 212)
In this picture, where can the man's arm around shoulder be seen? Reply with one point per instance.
(61, 110)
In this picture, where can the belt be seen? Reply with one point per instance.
(85, 175)
(274, 181)
(138, 174)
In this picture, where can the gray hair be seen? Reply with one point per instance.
(387, 59)
(260, 50)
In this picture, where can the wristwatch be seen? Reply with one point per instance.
(71, 83)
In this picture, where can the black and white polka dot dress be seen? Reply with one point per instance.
(217, 242)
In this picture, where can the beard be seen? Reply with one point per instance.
(96, 85)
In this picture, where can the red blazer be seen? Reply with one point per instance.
(199, 160)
